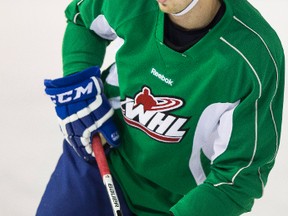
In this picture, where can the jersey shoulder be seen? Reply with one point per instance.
(249, 34)
(116, 12)
(252, 25)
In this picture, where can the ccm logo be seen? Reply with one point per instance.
(73, 94)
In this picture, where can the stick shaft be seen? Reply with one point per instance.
(105, 174)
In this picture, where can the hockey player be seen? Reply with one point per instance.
(191, 109)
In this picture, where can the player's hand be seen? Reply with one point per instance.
(83, 110)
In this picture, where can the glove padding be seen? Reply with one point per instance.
(83, 110)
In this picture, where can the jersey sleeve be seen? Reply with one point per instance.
(239, 174)
(83, 46)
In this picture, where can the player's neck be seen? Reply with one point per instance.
(199, 17)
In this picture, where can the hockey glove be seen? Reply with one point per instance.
(83, 110)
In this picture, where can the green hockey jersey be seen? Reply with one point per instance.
(200, 129)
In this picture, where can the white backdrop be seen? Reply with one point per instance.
(30, 48)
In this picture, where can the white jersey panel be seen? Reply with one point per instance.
(212, 136)
(102, 28)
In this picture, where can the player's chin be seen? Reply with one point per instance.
(164, 8)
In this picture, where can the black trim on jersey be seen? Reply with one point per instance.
(180, 39)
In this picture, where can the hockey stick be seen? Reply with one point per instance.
(106, 175)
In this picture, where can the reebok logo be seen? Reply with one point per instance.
(151, 114)
(161, 77)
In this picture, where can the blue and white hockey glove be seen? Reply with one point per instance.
(83, 110)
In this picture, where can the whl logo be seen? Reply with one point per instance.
(151, 114)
